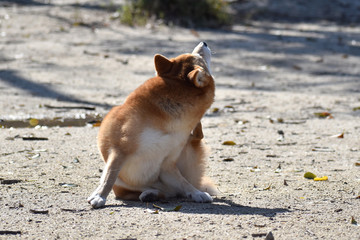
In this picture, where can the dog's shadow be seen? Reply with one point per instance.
(218, 207)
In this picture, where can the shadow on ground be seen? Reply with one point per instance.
(12, 78)
(218, 207)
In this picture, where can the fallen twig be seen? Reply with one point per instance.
(35, 138)
(7, 232)
(69, 107)
(72, 210)
(39, 211)
(10, 181)
(258, 234)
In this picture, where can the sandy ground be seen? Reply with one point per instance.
(271, 79)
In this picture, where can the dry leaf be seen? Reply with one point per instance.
(229, 108)
(152, 211)
(96, 124)
(341, 135)
(324, 178)
(255, 169)
(322, 149)
(33, 122)
(309, 175)
(268, 188)
(285, 183)
(278, 170)
(260, 225)
(158, 207)
(323, 115)
(229, 143)
(241, 122)
(175, 209)
(37, 155)
(215, 110)
(353, 221)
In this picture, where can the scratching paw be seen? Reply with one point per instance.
(200, 197)
(96, 201)
(149, 196)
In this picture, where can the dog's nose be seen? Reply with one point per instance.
(204, 44)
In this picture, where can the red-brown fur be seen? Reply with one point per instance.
(161, 115)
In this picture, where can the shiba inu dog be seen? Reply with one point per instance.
(152, 144)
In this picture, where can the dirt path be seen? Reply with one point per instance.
(272, 79)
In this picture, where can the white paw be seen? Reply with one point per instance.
(96, 201)
(200, 197)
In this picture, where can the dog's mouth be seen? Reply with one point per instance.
(204, 51)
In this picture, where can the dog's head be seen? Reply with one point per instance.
(193, 67)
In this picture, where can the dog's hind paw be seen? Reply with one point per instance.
(96, 201)
(150, 195)
(200, 197)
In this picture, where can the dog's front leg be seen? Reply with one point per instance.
(112, 168)
(171, 176)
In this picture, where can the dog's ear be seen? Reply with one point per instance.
(162, 64)
(197, 133)
(199, 77)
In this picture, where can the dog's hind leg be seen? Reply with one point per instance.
(125, 194)
(108, 178)
(173, 178)
(150, 195)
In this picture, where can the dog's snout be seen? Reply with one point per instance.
(204, 51)
(200, 48)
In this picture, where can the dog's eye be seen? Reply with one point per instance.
(189, 69)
